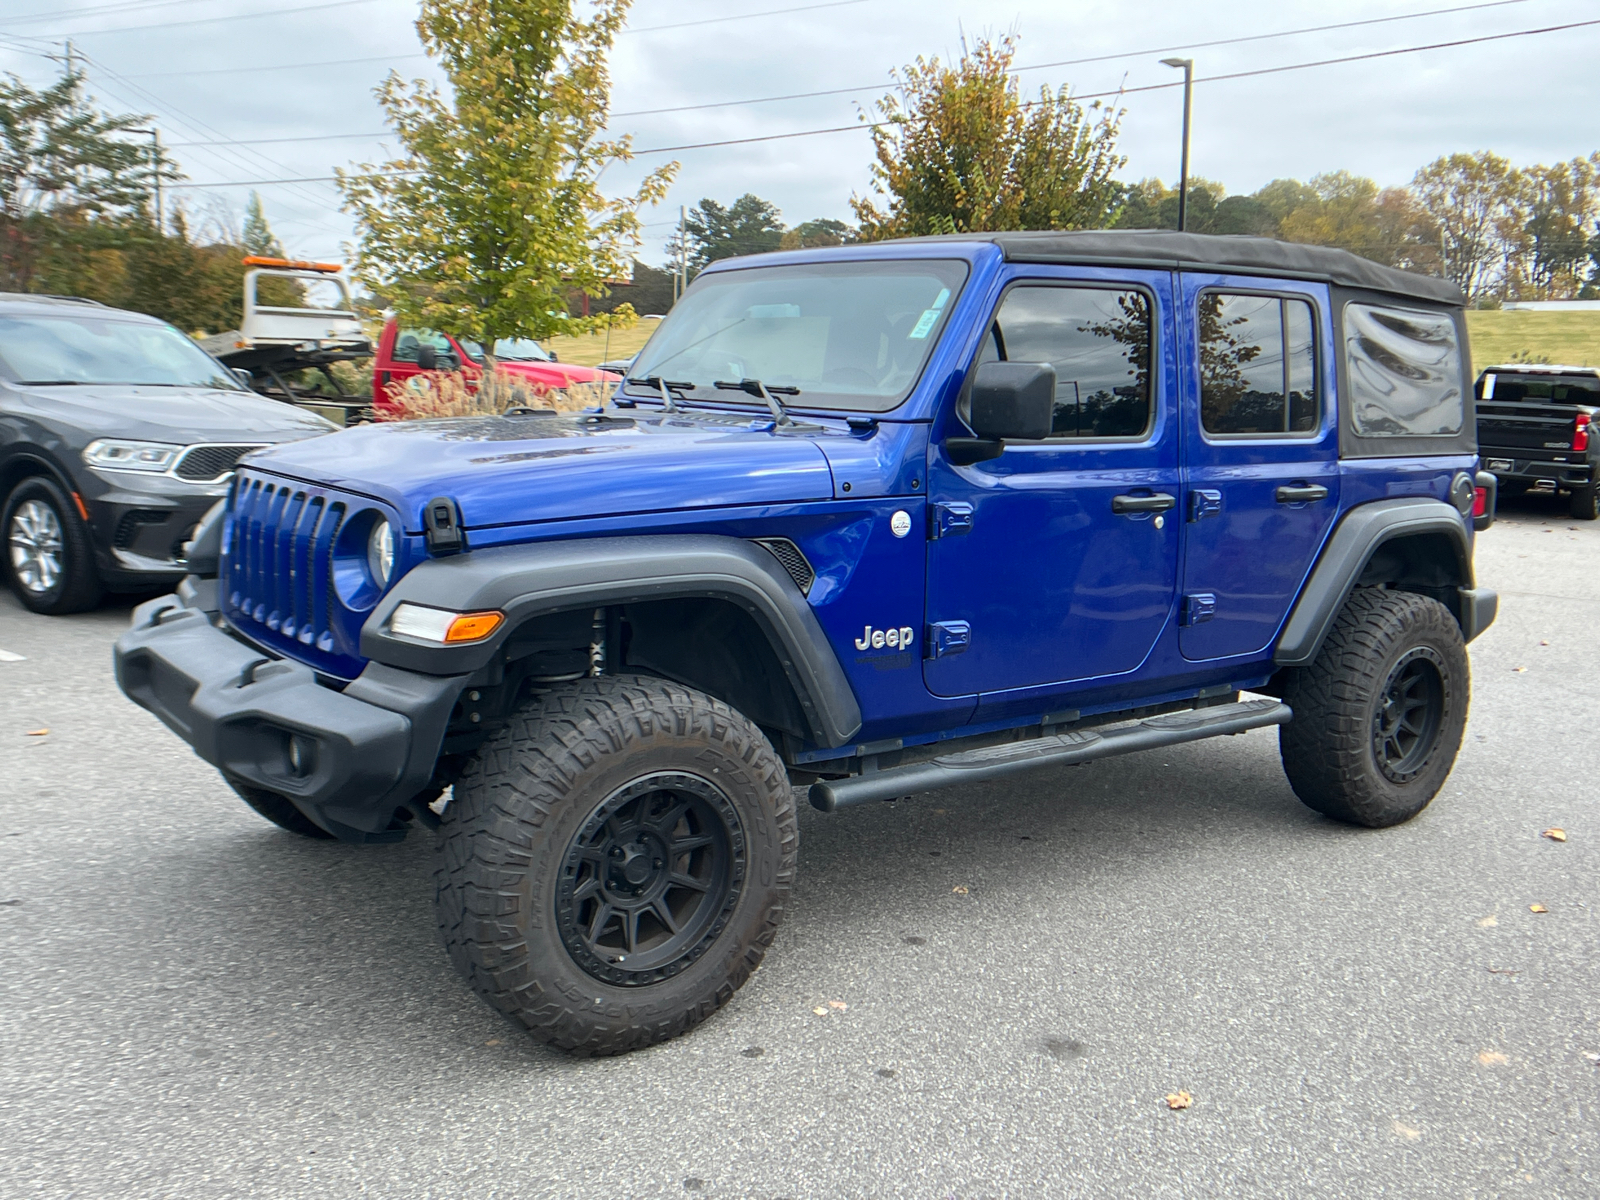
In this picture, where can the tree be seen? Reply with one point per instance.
(258, 237)
(750, 225)
(493, 217)
(1472, 198)
(823, 231)
(1549, 238)
(958, 150)
(65, 167)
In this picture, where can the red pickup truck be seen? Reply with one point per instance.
(404, 352)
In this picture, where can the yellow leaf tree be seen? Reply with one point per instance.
(493, 217)
(959, 150)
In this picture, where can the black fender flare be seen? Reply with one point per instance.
(1348, 551)
(537, 578)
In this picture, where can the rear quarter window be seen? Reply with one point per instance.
(1404, 371)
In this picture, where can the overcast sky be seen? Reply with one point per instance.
(229, 71)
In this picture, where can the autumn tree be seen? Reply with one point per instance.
(750, 225)
(958, 150)
(493, 217)
(1471, 198)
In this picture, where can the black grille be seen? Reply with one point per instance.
(203, 464)
(792, 560)
(132, 520)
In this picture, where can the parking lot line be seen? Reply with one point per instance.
(7, 656)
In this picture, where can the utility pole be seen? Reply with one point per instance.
(1183, 172)
(683, 252)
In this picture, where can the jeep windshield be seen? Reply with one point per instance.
(847, 335)
(76, 350)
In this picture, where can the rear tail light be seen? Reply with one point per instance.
(1480, 501)
(1580, 432)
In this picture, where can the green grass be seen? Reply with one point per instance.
(591, 350)
(1569, 338)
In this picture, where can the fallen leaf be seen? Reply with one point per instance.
(1594, 1058)
(1492, 1058)
(1520, 670)
(1505, 970)
(1179, 1100)
(1555, 835)
(839, 1005)
(492, 1042)
(1544, 643)
(961, 889)
(820, 1011)
(1537, 908)
(1407, 1132)
(752, 1052)
(1488, 922)
(38, 732)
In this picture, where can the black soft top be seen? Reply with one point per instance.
(1167, 249)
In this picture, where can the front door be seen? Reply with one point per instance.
(1058, 560)
(1261, 457)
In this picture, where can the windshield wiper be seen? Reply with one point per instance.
(666, 387)
(756, 388)
(52, 383)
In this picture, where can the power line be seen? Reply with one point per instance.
(245, 16)
(126, 6)
(1154, 87)
(300, 66)
(771, 12)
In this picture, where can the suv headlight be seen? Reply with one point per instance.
(112, 455)
(380, 552)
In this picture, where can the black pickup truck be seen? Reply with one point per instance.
(1539, 429)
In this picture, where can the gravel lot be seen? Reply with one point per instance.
(193, 1003)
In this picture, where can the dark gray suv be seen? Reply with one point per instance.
(117, 434)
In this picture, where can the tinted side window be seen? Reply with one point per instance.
(1258, 365)
(1405, 371)
(1097, 339)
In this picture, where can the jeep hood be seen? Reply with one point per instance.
(517, 470)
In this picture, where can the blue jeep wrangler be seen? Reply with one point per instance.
(876, 520)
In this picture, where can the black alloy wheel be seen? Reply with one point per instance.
(650, 879)
(1409, 715)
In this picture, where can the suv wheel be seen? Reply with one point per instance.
(280, 811)
(1586, 503)
(615, 862)
(1379, 715)
(48, 554)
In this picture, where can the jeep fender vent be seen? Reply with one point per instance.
(792, 560)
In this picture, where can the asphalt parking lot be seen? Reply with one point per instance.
(195, 1004)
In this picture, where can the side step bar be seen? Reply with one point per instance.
(1056, 750)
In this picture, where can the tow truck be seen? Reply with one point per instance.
(306, 322)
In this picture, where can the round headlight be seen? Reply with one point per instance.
(380, 552)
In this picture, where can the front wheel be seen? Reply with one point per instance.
(48, 554)
(1379, 714)
(615, 862)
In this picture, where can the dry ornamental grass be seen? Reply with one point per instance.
(450, 394)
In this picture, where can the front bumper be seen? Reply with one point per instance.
(346, 758)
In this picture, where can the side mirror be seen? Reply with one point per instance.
(554, 357)
(248, 378)
(427, 357)
(1012, 401)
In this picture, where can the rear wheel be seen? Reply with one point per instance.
(48, 554)
(1379, 715)
(1585, 503)
(615, 862)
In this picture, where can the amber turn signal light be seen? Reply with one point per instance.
(472, 627)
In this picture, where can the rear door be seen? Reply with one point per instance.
(1058, 560)
(1261, 456)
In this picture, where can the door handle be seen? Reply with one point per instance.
(1159, 502)
(1300, 493)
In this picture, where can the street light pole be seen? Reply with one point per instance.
(1183, 172)
(155, 171)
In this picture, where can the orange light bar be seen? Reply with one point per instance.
(256, 260)
(472, 627)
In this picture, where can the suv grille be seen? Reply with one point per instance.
(278, 575)
(206, 464)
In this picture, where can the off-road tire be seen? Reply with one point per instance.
(522, 806)
(1329, 751)
(280, 811)
(78, 587)
(1585, 503)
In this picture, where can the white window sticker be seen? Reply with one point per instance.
(924, 324)
(1488, 387)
